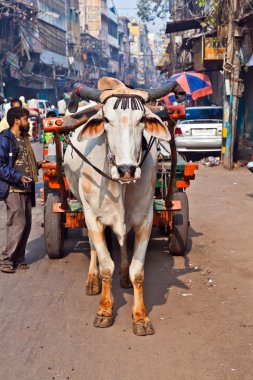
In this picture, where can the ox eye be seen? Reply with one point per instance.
(142, 119)
(106, 120)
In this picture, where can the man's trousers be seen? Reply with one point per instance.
(18, 226)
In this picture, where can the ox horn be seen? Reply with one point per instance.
(172, 86)
(83, 92)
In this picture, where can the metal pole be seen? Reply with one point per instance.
(63, 192)
(231, 99)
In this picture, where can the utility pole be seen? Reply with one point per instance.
(232, 86)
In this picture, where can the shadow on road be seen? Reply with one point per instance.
(36, 250)
(162, 270)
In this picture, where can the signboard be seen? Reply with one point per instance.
(214, 49)
(134, 28)
(198, 54)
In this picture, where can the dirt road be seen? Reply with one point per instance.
(201, 305)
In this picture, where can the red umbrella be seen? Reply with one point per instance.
(195, 84)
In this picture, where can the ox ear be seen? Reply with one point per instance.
(155, 127)
(94, 127)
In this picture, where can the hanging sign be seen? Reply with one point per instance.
(214, 49)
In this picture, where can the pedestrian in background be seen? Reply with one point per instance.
(7, 105)
(4, 123)
(18, 171)
(14, 103)
(61, 105)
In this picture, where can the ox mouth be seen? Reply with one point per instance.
(127, 177)
(124, 180)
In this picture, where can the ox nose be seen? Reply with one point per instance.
(126, 170)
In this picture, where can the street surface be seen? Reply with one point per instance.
(200, 305)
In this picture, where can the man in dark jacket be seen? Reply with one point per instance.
(17, 170)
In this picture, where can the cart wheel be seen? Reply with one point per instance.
(53, 228)
(179, 239)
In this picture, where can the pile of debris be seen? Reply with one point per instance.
(210, 161)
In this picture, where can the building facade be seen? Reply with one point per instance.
(40, 48)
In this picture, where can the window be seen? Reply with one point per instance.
(41, 105)
(113, 29)
(55, 5)
(214, 113)
(52, 38)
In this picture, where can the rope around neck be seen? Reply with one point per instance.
(68, 141)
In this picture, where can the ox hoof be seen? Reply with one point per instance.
(125, 282)
(93, 285)
(143, 328)
(103, 321)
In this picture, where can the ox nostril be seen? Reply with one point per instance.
(122, 169)
(131, 170)
(126, 169)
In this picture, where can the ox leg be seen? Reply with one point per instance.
(104, 317)
(141, 323)
(124, 268)
(92, 283)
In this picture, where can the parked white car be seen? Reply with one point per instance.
(42, 105)
(201, 131)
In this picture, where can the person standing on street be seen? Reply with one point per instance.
(61, 105)
(18, 171)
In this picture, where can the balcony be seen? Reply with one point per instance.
(113, 41)
(28, 3)
(106, 12)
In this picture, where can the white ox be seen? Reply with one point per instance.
(123, 204)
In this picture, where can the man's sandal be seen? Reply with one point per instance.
(22, 266)
(7, 268)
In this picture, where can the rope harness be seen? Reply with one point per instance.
(125, 101)
(110, 156)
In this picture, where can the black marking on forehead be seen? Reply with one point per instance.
(133, 102)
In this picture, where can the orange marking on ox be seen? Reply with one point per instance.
(96, 236)
(139, 310)
(106, 302)
(86, 180)
(155, 127)
(93, 128)
(93, 283)
(124, 120)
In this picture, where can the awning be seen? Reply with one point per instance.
(182, 25)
